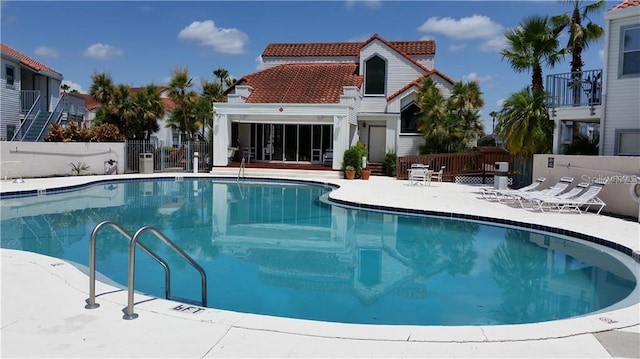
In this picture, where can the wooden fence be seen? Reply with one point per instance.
(478, 163)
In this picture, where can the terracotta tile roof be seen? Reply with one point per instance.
(29, 62)
(301, 83)
(89, 102)
(417, 82)
(311, 49)
(625, 4)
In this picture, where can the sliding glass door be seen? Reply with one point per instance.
(291, 143)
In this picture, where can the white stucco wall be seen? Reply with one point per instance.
(620, 171)
(43, 159)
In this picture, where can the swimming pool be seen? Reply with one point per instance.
(275, 249)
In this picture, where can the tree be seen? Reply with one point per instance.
(464, 104)
(222, 74)
(101, 88)
(432, 113)
(524, 125)
(65, 88)
(122, 106)
(185, 98)
(580, 37)
(148, 109)
(531, 45)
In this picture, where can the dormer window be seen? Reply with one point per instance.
(375, 74)
(409, 118)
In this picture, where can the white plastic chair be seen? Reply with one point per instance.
(419, 174)
(437, 176)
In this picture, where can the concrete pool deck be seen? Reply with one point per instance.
(43, 300)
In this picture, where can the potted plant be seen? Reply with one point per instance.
(349, 172)
(365, 172)
(352, 157)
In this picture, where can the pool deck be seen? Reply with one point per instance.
(43, 300)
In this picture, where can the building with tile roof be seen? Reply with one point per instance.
(30, 91)
(311, 99)
(604, 106)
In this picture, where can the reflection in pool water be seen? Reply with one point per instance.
(276, 249)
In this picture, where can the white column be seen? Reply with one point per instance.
(340, 139)
(221, 135)
(557, 137)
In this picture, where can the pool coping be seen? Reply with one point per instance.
(343, 194)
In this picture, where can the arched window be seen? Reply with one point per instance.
(375, 71)
(409, 118)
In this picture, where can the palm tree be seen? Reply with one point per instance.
(101, 88)
(149, 108)
(222, 74)
(122, 106)
(433, 111)
(580, 37)
(65, 88)
(180, 92)
(464, 104)
(524, 125)
(532, 44)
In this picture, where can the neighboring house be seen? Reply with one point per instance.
(30, 93)
(605, 103)
(315, 97)
(165, 135)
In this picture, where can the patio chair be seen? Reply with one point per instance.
(491, 193)
(437, 176)
(419, 174)
(556, 189)
(587, 199)
(540, 201)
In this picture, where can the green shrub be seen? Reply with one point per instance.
(353, 157)
(389, 164)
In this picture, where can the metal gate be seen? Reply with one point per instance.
(168, 158)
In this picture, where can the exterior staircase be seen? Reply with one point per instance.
(36, 127)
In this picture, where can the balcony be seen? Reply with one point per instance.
(575, 89)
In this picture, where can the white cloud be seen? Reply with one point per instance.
(73, 86)
(494, 44)
(46, 51)
(456, 48)
(102, 51)
(473, 27)
(205, 33)
(427, 38)
(259, 63)
(473, 76)
(372, 4)
(500, 103)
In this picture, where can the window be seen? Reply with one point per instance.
(10, 74)
(409, 118)
(627, 142)
(375, 76)
(631, 51)
(11, 131)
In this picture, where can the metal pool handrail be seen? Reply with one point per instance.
(91, 302)
(240, 170)
(132, 256)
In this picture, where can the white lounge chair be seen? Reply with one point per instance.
(587, 199)
(498, 194)
(540, 201)
(554, 190)
(419, 174)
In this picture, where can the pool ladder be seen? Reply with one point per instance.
(241, 170)
(133, 243)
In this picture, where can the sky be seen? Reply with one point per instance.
(141, 42)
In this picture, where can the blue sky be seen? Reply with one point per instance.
(140, 42)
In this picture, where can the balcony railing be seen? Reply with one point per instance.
(27, 99)
(574, 89)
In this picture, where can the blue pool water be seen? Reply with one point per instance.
(276, 249)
